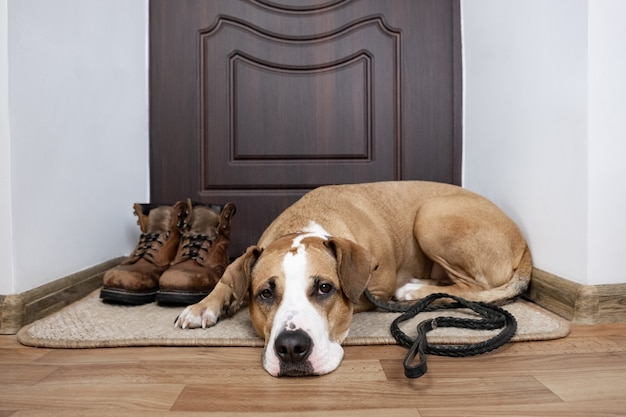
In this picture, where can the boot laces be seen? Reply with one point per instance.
(195, 245)
(146, 246)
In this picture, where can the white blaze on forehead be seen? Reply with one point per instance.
(296, 276)
(295, 266)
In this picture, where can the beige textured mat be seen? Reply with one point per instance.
(90, 323)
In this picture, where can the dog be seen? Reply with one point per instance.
(401, 240)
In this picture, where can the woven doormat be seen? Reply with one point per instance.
(90, 323)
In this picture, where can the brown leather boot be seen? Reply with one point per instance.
(202, 254)
(136, 279)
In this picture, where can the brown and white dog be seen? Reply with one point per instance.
(308, 272)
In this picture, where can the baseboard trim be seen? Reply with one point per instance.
(582, 304)
(17, 310)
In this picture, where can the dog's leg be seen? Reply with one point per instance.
(466, 286)
(481, 250)
(227, 297)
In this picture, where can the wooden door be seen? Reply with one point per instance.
(256, 102)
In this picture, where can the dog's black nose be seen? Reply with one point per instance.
(293, 346)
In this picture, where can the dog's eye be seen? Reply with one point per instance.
(266, 294)
(324, 288)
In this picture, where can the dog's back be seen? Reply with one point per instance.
(343, 209)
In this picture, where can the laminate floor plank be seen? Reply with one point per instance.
(85, 396)
(225, 355)
(170, 372)
(558, 409)
(587, 385)
(24, 374)
(377, 412)
(492, 364)
(14, 356)
(321, 396)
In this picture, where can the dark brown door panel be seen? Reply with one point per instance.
(257, 102)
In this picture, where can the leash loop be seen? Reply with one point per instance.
(493, 317)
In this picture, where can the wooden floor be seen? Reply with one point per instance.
(581, 375)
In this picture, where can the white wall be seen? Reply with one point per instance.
(78, 105)
(607, 141)
(6, 247)
(544, 134)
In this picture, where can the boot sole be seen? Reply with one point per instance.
(179, 297)
(121, 296)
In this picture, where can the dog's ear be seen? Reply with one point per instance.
(238, 275)
(355, 265)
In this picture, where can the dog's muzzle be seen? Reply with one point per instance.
(293, 348)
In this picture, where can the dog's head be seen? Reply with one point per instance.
(302, 290)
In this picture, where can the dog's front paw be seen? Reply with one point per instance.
(196, 315)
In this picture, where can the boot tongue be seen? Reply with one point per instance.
(160, 219)
(204, 221)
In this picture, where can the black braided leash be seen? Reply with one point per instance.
(494, 318)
